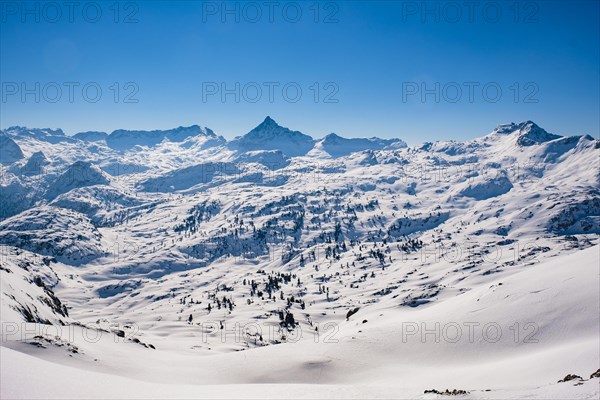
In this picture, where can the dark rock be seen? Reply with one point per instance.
(570, 377)
(352, 312)
(453, 392)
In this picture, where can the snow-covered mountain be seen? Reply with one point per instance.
(125, 140)
(213, 268)
(338, 146)
(527, 133)
(269, 135)
(9, 150)
(79, 174)
(91, 136)
(35, 164)
(45, 134)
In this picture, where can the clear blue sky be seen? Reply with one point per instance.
(371, 53)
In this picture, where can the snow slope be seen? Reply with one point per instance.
(501, 338)
(53, 231)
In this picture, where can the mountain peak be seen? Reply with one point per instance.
(271, 129)
(528, 132)
(269, 135)
(79, 174)
(526, 126)
(268, 123)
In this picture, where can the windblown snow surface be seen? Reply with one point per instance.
(175, 264)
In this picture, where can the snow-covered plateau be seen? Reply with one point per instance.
(178, 264)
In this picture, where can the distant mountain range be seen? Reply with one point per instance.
(268, 135)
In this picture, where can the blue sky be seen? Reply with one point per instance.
(361, 66)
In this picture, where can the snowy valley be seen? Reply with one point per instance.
(141, 264)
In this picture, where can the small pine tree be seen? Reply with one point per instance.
(289, 320)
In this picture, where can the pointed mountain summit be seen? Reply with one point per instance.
(268, 122)
(269, 135)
